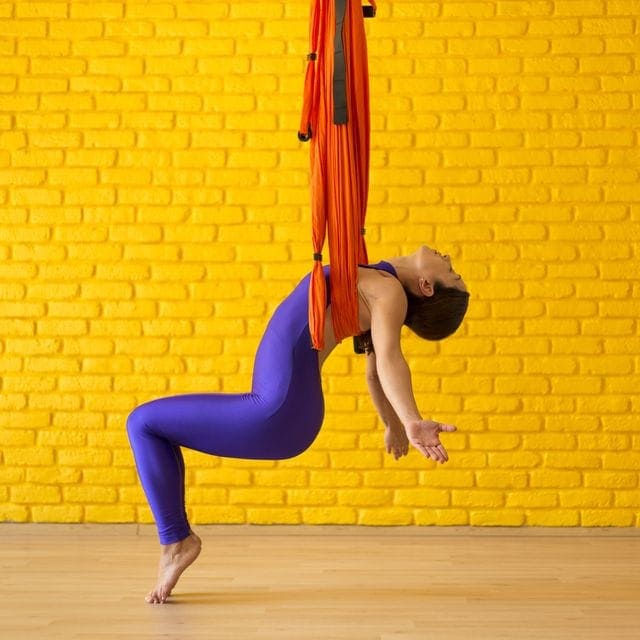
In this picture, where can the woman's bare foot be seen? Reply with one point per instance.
(174, 559)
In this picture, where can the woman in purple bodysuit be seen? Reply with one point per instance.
(281, 416)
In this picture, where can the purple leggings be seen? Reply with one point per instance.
(278, 419)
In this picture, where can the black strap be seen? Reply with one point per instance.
(340, 115)
(339, 68)
(305, 137)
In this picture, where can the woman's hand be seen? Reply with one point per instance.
(395, 441)
(424, 435)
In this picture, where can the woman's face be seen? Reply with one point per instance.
(434, 266)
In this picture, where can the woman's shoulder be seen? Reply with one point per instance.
(378, 285)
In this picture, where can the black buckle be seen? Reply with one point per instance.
(305, 137)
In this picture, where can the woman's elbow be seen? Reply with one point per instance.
(372, 377)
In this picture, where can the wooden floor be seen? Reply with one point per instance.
(329, 583)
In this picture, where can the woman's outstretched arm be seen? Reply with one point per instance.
(395, 438)
(387, 317)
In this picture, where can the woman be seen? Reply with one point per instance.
(282, 414)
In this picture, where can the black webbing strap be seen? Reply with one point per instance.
(339, 65)
(369, 11)
(339, 68)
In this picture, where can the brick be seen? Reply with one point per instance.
(545, 478)
(55, 401)
(415, 10)
(13, 513)
(387, 517)
(109, 477)
(35, 494)
(17, 437)
(494, 442)
(447, 479)
(111, 513)
(281, 478)
(21, 310)
(89, 495)
(549, 442)
(553, 518)
(207, 495)
(347, 460)
(607, 517)
(474, 47)
(627, 499)
(41, 9)
(13, 364)
(56, 513)
(13, 402)
(577, 45)
(223, 477)
(107, 365)
(514, 460)
(155, 385)
(328, 515)
(532, 498)
(571, 422)
(441, 517)
(201, 514)
(311, 497)
(501, 479)
(626, 460)
(607, 405)
(497, 518)
(32, 384)
(586, 498)
(623, 7)
(256, 496)
(308, 460)
(522, 385)
(84, 457)
(23, 28)
(603, 442)
(108, 402)
(335, 478)
(574, 460)
(421, 497)
(557, 327)
(611, 479)
(389, 478)
(11, 476)
(586, 8)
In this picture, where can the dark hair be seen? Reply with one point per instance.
(431, 318)
(437, 316)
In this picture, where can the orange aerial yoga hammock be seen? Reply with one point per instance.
(335, 117)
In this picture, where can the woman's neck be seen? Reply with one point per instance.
(405, 270)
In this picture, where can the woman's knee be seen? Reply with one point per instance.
(300, 441)
(137, 421)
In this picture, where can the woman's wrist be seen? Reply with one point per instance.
(412, 421)
(394, 425)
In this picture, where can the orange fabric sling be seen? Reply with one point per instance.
(335, 117)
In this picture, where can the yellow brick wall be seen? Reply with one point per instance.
(154, 209)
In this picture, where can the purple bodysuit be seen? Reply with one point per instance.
(278, 419)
